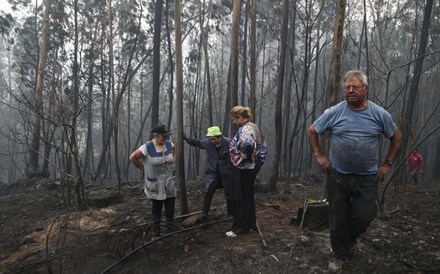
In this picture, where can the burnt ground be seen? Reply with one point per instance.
(41, 234)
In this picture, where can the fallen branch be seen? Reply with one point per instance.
(394, 210)
(158, 239)
(275, 206)
(261, 234)
(187, 215)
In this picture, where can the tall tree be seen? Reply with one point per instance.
(244, 54)
(179, 110)
(170, 65)
(79, 184)
(253, 70)
(50, 128)
(234, 53)
(335, 67)
(436, 173)
(204, 38)
(288, 132)
(279, 100)
(407, 126)
(156, 61)
(112, 90)
(126, 78)
(38, 96)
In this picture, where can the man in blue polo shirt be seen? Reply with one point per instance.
(356, 125)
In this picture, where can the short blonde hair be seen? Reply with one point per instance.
(241, 111)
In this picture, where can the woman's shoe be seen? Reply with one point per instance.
(231, 234)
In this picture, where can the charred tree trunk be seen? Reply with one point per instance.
(279, 101)
(407, 126)
(156, 62)
(180, 164)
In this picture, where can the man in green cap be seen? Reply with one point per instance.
(218, 166)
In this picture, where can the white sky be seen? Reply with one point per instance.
(4, 6)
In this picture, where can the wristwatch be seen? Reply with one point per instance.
(389, 162)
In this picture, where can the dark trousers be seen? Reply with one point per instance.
(243, 201)
(157, 212)
(208, 198)
(352, 207)
(413, 177)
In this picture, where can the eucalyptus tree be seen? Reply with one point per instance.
(156, 60)
(244, 58)
(74, 146)
(234, 53)
(131, 55)
(179, 110)
(204, 41)
(92, 31)
(335, 69)
(253, 52)
(278, 106)
(424, 36)
(305, 37)
(335, 66)
(34, 148)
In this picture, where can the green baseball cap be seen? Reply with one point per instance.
(213, 131)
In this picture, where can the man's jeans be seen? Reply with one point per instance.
(352, 207)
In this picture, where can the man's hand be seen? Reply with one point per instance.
(324, 163)
(383, 171)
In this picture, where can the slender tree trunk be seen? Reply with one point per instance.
(89, 143)
(263, 75)
(367, 52)
(234, 55)
(335, 67)
(287, 164)
(407, 127)
(204, 38)
(315, 84)
(279, 104)
(128, 76)
(38, 96)
(50, 128)
(228, 104)
(179, 111)
(436, 171)
(335, 70)
(156, 61)
(112, 90)
(302, 105)
(253, 70)
(244, 62)
(79, 184)
(171, 66)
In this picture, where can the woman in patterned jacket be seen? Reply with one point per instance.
(248, 152)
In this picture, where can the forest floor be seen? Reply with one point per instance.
(39, 234)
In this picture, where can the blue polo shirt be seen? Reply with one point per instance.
(355, 136)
